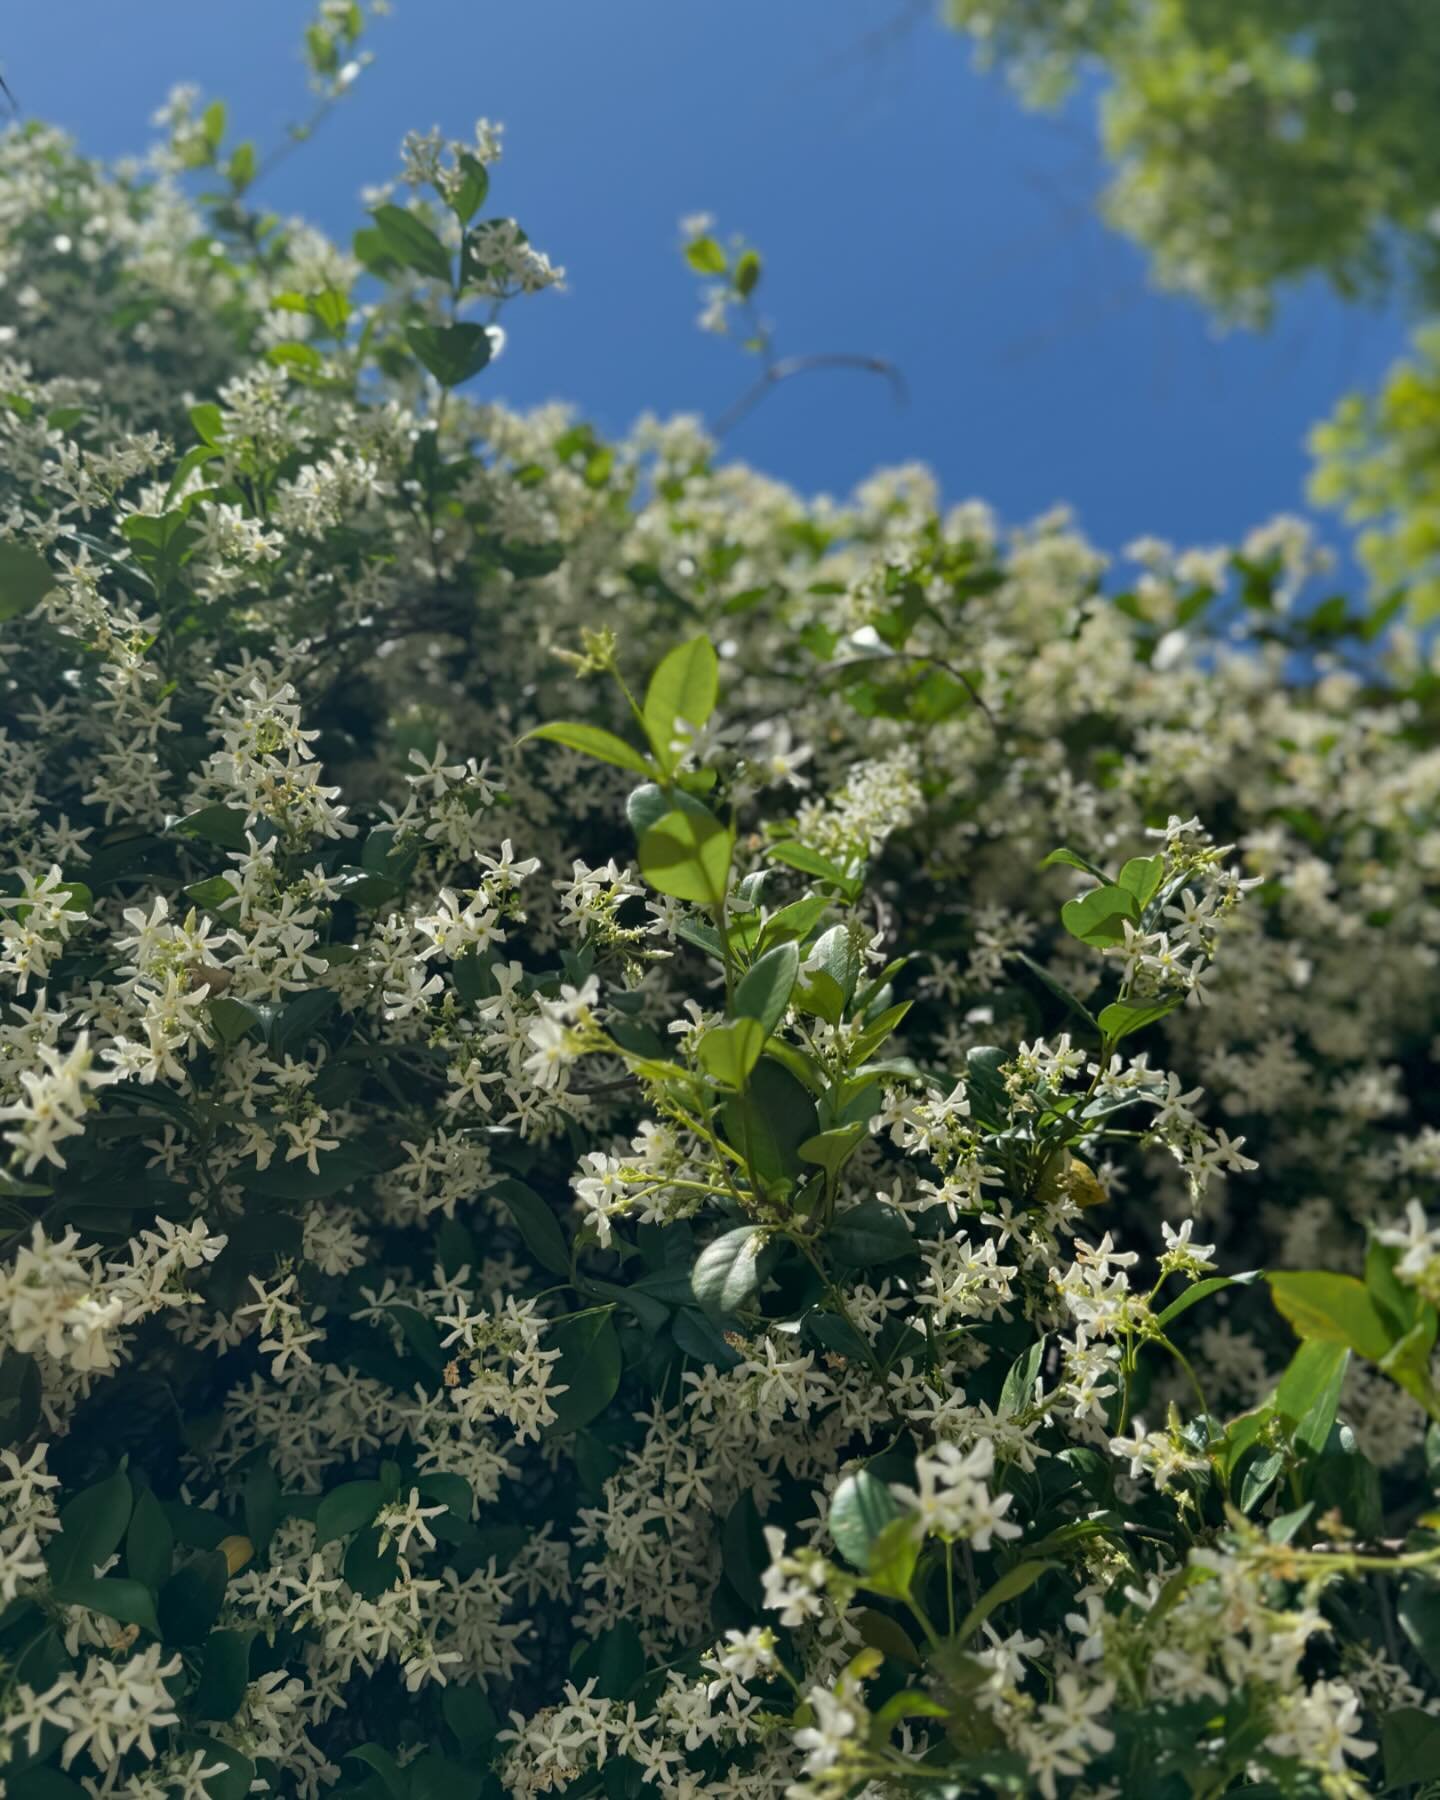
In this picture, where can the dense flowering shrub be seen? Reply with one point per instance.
(641, 1123)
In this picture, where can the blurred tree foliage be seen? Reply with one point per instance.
(1255, 141)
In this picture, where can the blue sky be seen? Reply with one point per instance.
(906, 205)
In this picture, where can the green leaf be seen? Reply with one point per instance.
(232, 1019)
(742, 1545)
(300, 1018)
(683, 688)
(20, 1395)
(224, 1675)
(893, 1554)
(648, 804)
(1018, 1390)
(1410, 1742)
(1074, 860)
(411, 242)
(616, 1659)
(861, 1507)
(796, 855)
(149, 1543)
(764, 992)
(209, 423)
(1010, 1586)
(91, 1528)
(452, 353)
(1098, 918)
(1201, 1290)
(593, 740)
(237, 1771)
(748, 270)
(473, 188)
(588, 1366)
(705, 256)
(1122, 1017)
(1308, 1394)
(42, 1783)
(191, 1598)
(222, 825)
(1418, 1609)
(345, 1509)
(880, 1632)
(261, 1499)
(688, 857)
(116, 1597)
(728, 1053)
(835, 954)
(393, 1778)
(882, 1026)
(1141, 877)
(872, 1232)
(770, 1120)
(536, 1224)
(726, 1275)
(370, 1568)
(1332, 1309)
(831, 1150)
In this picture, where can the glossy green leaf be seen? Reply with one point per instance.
(1100, 917)
(687, 856)
(682, 693)
(1331, 1308)
(592, 740)
(765, 990)
(728, 1053)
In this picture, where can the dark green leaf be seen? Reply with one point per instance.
(345, 1509)
(411, 241)
(588, 1366)
(92, 1526)
(192, 1597)
(872, 1232)
(452, 353)
(224, 1675)
(537, 1225)
(149, 1543)
(115, 1596)
(25, 579)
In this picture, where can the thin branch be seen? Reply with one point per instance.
(789, 366)
(861, 662)
(296, 136)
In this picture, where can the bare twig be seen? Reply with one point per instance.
(789, 366)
